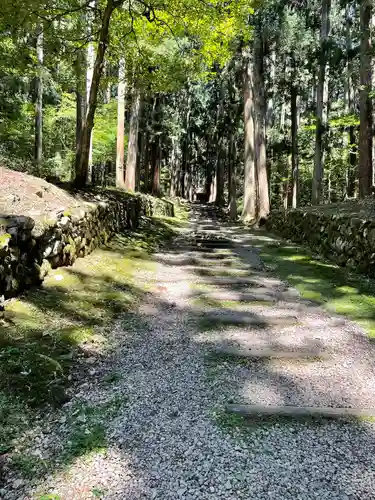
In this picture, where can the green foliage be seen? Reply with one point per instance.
(104, 136)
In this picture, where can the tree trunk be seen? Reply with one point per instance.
(349, 97)
(39, 101)
(131, 163)
(249, 205)
(219, 195)
(107, 90)
(90, 59)
(186, 149)
(232, 207)
(120, 150)
(175, 169)
(294, 113)
(373, 90)
(155, 161)
(155, 148)
(139, 165)
(365, 128)
(321, 102)
(83, 151)
(263, 202)
(232, 146)
(270, 113)
(80, 94)
(146, 162)
(282, 116)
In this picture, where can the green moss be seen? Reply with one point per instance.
(70, 309)
(228, 420)
(335, 288)
(14, 415)
(4, 239)
(83, 441)
(98, 492)
(87, 429)
(44, 332)
(208, 302)
(223, 272)
(47, 223)
(28, 465)
(70, 249)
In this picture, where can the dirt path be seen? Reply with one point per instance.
(168, 436)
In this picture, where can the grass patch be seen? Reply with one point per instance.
(14, 415)
(98, 492)
(85, 433)
(47, 331)
(337, 289)
(207, 302)
(44, 330)
(87, 427)
(239, 305)
(235, 273)
(228, 421)
(29, 466)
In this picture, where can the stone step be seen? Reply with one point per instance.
(254, 278)
(300, 411)
(257, 294)
(185, 259)
(196, 248)
(217, 271)
(234, 280)
(214, 256)
(225, 263)
(213, 243)
(269, 353)
(247, 297)
(244, 318)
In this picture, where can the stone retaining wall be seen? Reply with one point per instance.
(346, 240)
(29, 248)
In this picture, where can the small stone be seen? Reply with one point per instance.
(17, 483)
(57, 247)
(64, 221)
(47, 251)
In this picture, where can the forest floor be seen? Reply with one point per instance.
(143, 415)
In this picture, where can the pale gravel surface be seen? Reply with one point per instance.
(166, 443)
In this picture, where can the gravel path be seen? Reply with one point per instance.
(170, 437)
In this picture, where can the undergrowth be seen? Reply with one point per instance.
(47, 333)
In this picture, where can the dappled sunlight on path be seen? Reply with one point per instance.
(161, 395)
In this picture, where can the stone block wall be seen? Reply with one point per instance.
(347, 240)
(29, 248)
